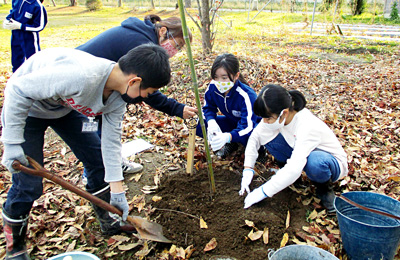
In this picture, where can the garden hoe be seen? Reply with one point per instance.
(147, 230)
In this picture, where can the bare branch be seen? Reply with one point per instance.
(191, 17)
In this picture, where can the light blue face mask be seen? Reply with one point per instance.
(223, 86)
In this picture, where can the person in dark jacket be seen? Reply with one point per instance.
(117, 41)
(229, 94)
(26, 20)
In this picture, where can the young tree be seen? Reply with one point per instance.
(207, 14)
(394, 14)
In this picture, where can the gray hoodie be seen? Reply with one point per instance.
(56, 81)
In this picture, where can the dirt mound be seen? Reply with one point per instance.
(186, 198)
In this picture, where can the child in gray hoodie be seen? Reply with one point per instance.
(57, 88)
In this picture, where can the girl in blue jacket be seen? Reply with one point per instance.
(229, 94)
(26, 20)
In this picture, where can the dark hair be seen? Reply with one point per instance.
(148, 61)
(230, 64)
(173, 24)
(272, 99)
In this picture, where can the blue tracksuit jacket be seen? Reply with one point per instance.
(236, 106)
(25, 42)
(116, 42)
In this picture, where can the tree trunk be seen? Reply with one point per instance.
(188, 3)
(153, 5)
(205, 27)
(119, 3)
(73, 3)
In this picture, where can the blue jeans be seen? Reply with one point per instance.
(321, 166)
(27, 188)
(224, 123)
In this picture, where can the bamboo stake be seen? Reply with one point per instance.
(196, 92)
(190, 153)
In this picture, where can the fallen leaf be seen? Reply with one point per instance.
(288, 219)
(266, 236)
(255, 235)
(249, 223)
(313, 215)
(203, 224)
(156, 198)
(128, 246)
(285, 239)
(211, 245)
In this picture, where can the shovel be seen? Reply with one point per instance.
(147, 230)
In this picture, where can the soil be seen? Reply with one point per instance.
(187, 198)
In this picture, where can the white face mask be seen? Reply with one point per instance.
(223, 86)
(275, 125)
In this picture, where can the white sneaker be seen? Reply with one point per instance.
(130, 167)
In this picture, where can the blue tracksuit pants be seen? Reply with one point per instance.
(23, 45)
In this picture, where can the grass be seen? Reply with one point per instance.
(268, 32)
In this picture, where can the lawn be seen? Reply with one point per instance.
(353, 85)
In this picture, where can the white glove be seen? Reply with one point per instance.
(119, 201)
(212, 129)
(246, 180)
(255, 196)
(11, 153)
(11, 25)
(219, 140)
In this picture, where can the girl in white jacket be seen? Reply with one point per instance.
(297, 139)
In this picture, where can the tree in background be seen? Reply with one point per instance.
(188, 3)
(394, 14)
(358, 6)
(207, 14)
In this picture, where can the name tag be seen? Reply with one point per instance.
(236, 113)
(28, 15)
(91, 126)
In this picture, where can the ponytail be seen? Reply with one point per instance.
(299, 101)
(153, 18)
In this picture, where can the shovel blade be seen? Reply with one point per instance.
(148, 230)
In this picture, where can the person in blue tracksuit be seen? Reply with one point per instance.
(113, 43)
(26, 19)
(228, 93)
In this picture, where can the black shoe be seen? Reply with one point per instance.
(262, 155)
(325, 193)
(227, 149)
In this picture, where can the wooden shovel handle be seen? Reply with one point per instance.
(42, 172)
(368, 209)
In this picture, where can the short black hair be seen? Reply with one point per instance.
(150, 62)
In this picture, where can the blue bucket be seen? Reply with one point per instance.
(75, 256)
(367, 235)
(301, 252)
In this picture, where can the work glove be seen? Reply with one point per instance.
(254, 197)
(219, 140)
(246, 180)
(212, 129)
(11, 153)
(119, 201)
(11, 24)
